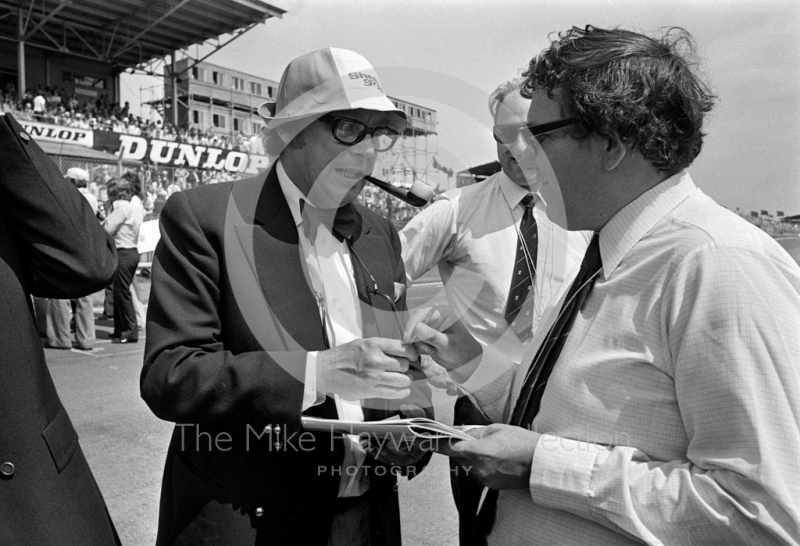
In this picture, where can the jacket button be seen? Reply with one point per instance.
(7, 469)
(259, 512)
(24, 136)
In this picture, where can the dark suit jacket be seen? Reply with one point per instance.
(52, 246)
(226, 251)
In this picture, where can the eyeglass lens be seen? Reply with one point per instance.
(350, 132)
(506, 134)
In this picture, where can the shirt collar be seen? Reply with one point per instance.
(514, 193)
(291, 192)
(638, 217)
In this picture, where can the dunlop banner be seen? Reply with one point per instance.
(150, 150)
(59, 133)
(176, 154)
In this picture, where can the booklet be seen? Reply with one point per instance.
(398, 429)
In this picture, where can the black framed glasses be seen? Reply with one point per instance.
(350, 132)
(507, 133)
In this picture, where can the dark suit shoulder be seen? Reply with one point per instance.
(207, 204)
(208, 198)
(375, 220)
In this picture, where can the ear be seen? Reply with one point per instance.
(614, 152)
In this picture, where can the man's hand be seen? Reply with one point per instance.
(404, 453)
(433, 331)
(366, 368)
(500, 456)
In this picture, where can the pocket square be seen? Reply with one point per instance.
(399, 291)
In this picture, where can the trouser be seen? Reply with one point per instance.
(84, 322)
(40, 311)
(351, 524)
(139, 308)
(108, 301)
(124, 314)
(58, 315)
(108, 305)
(466, 488)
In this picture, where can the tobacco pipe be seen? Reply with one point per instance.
(418, 196)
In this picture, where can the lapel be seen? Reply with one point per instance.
(372, 259)
(266, 240)
(280, 268)
(273, 289)
(378, 318)
(263, 257)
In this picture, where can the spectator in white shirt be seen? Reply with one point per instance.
(670, 412)
(39, 104)
(472, 234)
(123, 224)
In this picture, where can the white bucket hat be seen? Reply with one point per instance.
(324, 81)
(76, 173)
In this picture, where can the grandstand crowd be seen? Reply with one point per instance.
(48, 104)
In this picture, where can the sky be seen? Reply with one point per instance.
(450, 54)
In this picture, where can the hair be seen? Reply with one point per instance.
(121, 188)
(504, 90)
(135, 182)
(643, 89)
(79, 183)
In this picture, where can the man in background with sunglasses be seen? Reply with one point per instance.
(659, 402)
(500, 258)
(274, 297)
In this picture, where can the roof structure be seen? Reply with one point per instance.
(486, 170)
(127, 33)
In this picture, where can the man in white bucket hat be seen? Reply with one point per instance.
(274, 297)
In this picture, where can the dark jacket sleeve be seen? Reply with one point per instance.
(198, 365)
(68, 253)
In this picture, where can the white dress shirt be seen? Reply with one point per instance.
(124, 222)
(673, 413)
(472, 234)
(330, 272)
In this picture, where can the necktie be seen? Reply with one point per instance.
(519, 307)
(530, 396)
(344, 221)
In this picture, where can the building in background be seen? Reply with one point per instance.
(216, 99)
(412, 157)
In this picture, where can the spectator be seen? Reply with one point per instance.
(123, 224)
(59, 311)
(39, 105)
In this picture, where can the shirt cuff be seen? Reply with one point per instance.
(311, 397)
(561, 474)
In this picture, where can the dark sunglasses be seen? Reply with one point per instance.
(507, 134)
(350, 132)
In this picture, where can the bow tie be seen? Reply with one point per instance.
(344, 220)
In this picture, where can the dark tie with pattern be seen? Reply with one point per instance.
(519, 307)
(530, 396)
